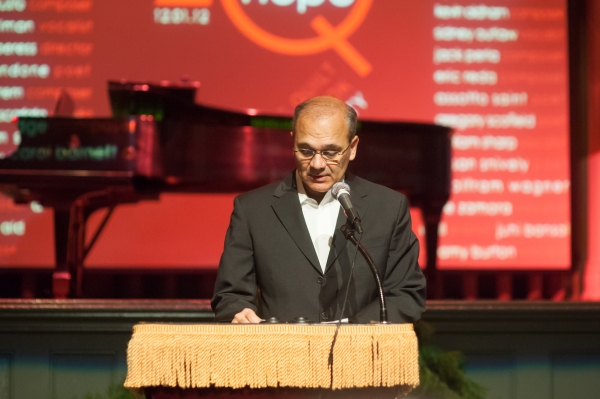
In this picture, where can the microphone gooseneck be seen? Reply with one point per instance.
(339, 322)
(341, 192)
(349, 234)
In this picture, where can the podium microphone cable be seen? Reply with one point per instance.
(339, 323)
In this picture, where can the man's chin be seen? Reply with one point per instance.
(319, 187)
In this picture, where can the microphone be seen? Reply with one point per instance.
(341, 192)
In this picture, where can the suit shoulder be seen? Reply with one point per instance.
(258, 194)
(379, 191)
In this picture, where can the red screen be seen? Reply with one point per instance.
(495, 71)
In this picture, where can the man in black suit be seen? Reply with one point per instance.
(284, 254)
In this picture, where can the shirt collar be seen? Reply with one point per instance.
(304, 198)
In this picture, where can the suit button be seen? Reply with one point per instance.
(324, 316)
(320, 280)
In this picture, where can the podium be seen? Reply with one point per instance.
(272, 360)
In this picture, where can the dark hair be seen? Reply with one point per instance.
(326, 105)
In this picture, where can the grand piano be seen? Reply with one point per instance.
(159, 140)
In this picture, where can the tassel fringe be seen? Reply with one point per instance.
(278, 355)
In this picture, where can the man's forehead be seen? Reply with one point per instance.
(332, 138)
(330, 123)
(320, 115)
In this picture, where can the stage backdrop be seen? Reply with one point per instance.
(494, 70)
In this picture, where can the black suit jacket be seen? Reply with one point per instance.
(270, 265)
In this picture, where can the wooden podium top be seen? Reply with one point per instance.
(272, 355)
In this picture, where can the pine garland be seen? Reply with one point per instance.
(442, 373)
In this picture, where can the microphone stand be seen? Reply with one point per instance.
(348, 232)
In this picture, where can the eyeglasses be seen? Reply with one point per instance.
(330, 156)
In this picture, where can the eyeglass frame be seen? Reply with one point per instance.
(339, 154)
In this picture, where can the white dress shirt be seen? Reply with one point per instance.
(320, 219)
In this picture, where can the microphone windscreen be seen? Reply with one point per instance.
(338, 188)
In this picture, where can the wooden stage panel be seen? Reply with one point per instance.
(508, 345)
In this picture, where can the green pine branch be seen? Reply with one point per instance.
(442, 373)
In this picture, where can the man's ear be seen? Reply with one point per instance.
(354, 148)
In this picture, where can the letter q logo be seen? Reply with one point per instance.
(328, 36)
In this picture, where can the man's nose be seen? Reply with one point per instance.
(318, 162)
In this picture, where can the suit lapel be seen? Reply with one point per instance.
(287, 207)
(361, 205)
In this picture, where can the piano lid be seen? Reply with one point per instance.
(166, 142)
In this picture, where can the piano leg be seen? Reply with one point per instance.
(78, 249)
(70, 235)
(70, 249)
(61, 278)
(75, 258)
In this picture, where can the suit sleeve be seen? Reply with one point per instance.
(403, 281)
(235, 287)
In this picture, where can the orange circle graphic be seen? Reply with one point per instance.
(328, 36)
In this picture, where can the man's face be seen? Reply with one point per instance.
(322, 133)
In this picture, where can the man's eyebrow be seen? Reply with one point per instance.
(325, 147)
